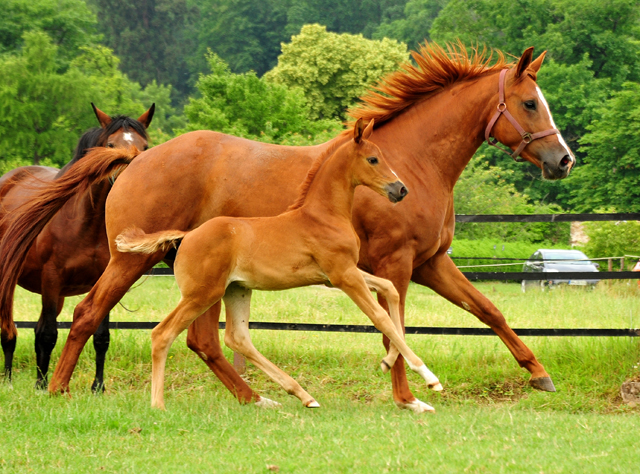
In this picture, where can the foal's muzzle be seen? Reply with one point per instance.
(396, 191)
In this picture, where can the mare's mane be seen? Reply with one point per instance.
(311, 174)
(435, 69)
(97, 137)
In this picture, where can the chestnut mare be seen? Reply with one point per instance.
(430, 119)
(226, 258)
(71, 252)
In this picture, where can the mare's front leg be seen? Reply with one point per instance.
(237, 302)
(353, 284)
(46, 331)
(203, 339)
(441, 275)
(101, 340)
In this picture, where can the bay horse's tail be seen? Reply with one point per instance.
(134, 240)
(25, 222)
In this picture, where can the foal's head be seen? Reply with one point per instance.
(369, 167)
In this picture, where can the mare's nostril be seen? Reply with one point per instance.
(403, 191)
(565, 160)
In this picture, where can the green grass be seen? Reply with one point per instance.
(488, 419)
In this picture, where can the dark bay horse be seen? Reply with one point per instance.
(430, 119)
(71, 251)
(226, 258)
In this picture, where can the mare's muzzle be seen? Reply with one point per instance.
(396, 191)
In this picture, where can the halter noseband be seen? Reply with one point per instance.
(527, 137)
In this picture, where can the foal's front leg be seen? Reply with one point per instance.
(237, 303)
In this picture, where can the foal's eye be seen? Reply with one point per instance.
(372, 160)
(530, 105)
(110, 145)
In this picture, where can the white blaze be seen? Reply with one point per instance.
(128, 137)
(546, 106)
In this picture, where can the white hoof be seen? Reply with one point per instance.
(416, 406)
(428, 376)
(384, 367)
(436, 387)
(313, 404)
(266, 403)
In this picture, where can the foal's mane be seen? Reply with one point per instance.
(436, 68)
(311, 174)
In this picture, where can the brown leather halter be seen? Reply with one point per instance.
(527, 137)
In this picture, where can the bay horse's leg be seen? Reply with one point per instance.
(353, 284)
(203, 339)
(237, 302)
(441, 275)
(163, 336)
(117, 278)
(46, 331)
(8, 348)
(101, 340)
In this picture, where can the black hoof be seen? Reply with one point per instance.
(544, 384)
(41, 385)
(97, 387)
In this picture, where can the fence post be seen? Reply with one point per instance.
(239, 363)
(621, 264)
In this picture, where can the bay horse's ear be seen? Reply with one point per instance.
(368, 131)
(103, 118)
(535, 65)
(145, 118)
(525, 61)
(358, 130)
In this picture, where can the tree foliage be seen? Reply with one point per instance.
(247, 106)
(334, 69)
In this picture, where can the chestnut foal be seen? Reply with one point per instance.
(314, 242)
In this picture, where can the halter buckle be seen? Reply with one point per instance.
(527, 138)
(502, 107)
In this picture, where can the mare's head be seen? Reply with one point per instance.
(369, 167)
(523, 122)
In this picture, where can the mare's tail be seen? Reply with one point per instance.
(25, 223)
(134, 240)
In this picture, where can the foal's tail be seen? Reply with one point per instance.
(134, 240)
(25, 223)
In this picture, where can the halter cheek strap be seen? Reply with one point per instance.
(527, 137)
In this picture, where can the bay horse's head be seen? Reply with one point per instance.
(370, 168)
(122, 131)
(523, 122)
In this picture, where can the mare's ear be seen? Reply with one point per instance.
(358, 130)
(103, 118)
(145, 118)
(525, 61)
(535, 65)
(368, 131)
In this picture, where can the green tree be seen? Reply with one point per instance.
(612, 239)
(333, 69)
(414, 25)
(247, 106)
(611, 174)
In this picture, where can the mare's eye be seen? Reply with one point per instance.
(372, 160)
(110, 145)
(530, 105)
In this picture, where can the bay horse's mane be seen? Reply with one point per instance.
(436, 68)
(311, 174)
(97, 137)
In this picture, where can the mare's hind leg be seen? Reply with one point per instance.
(46, 331)
(203, 339)
(101, 340)
(237, 302)
(8, 348)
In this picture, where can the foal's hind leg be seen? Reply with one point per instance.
(237, 302)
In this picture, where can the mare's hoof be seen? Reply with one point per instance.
(97, 388)
(312, 404)
(416, 406)
(384, 366)
(41, 385)
(266, 403)
(544, 384)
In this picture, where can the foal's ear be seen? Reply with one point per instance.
(103, 118)
(145, 118)
(368, 131)
(525, 61)
(358, 130)
(535, 65)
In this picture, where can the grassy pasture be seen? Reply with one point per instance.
(488, 419)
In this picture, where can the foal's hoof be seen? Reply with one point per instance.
(416, 406)
(436, 387)
(312, 404)
(384, 366)
(266, 403)
(544, 384)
